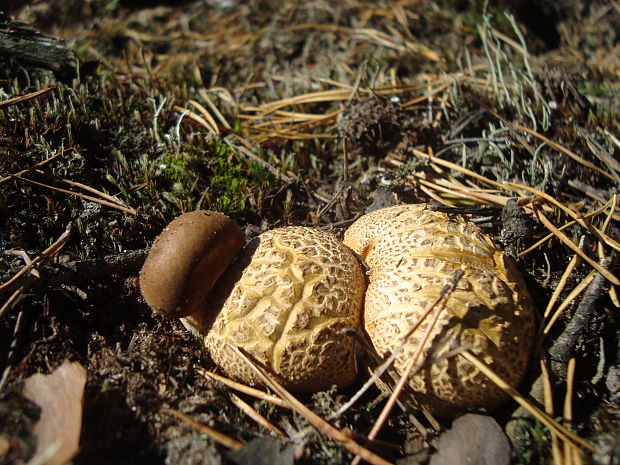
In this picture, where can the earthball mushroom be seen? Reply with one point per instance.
(412, 252)
(289, 300)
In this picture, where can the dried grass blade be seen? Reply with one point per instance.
(254, 415)
(218, 114)
(196, 117)
(250, 391)
(218, 437)
(313, 418)
(564, 238)
(549, 422)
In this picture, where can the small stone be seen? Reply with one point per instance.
(473, 440)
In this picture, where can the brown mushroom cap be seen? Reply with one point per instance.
(412, 252)
(291, 294)
(186, 259)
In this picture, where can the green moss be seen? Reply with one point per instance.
(175, 167)
(229, 182)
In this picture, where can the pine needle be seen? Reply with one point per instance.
(541, 416)
(315, 420)
(218, 437)
(254, 415)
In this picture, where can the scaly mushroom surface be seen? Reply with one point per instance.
(412, 252)
(286, 301)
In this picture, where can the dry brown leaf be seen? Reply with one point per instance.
(60, 396)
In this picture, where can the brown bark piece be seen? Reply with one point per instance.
(31, 48)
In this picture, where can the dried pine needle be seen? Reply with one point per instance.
(564, 238)
(218, 114)
(39, 259)
(218, 437)
(561, 431)
(548, 403)
(35, 166)
(576, 216)
(254, 415)
(571, 453)
(100, 201)
(314, 419)
(460, 169)
(564, 226)
(569, 299)
(25, 98)
(250, 391)
(197, 118)
(559, 148)
(435, 306)
(561, 284)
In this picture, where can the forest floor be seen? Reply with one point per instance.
(305, 113)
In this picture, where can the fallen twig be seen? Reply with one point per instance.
(564, 346)
(80, 270)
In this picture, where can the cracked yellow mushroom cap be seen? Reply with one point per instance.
(289, 299)
(412, 252)
(186, 260)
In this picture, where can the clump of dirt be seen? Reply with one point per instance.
(372, 128)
